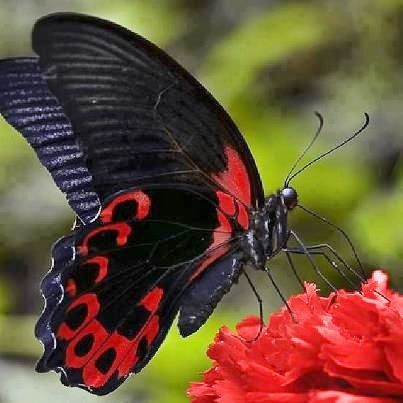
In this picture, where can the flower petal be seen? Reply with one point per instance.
(346, 348)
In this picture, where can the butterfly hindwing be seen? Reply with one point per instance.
(111, 297)
(200, 299)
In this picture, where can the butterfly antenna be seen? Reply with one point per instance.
(307, 148)
(362, 128)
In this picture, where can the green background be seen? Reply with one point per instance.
(271, 64)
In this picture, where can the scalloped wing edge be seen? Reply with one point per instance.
(52, 291)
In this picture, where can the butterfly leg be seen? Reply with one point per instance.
(291, 264)
(319, 250)
(260, 303)
(341, 231)
(277, 288)
(332, 263)
(330, 249)
(304, 250)
(324, 250)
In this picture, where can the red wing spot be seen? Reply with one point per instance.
(143, 205)
(98, 335)
(129, 361)
(151, 329)
(124, 357)
(243, 216)
(152, 300)
(102, 263)
(226, 203)
(123, 231)
(92, 304)
(235, 178)
(150, 332)
(101, 365)
(92, 375)
(224, 230)
(71, 287)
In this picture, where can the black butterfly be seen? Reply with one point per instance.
(169, 202)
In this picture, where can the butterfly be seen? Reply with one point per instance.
(169, 203)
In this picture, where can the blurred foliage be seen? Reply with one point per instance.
(267, 39)
(272, 64)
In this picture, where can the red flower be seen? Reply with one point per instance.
(346, 348)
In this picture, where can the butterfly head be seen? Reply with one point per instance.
(290, 197)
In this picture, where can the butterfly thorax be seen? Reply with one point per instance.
(268, 233)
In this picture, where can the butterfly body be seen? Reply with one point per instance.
(268, 233)
(169, 201)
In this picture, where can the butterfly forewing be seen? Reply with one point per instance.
(138, 116)
(27, 103)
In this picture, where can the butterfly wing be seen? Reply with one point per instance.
(149, 136)
(117, 283)
(137, 115)
(27, 104)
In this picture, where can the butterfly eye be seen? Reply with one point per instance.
(290, 197)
